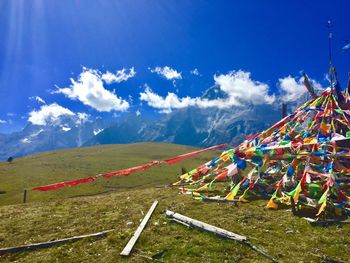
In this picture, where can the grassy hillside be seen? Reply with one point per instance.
(57, 166)
(52, 216)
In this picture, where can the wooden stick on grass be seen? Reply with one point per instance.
(126, 251)
(49, 243)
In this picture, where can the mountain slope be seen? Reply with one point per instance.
(128, 129)
(204, 127)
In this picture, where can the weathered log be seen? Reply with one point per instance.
(126, 251)
(49, 243)
(187, 221)
(210, 228)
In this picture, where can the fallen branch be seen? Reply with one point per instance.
(219, 199)
(187, 221)
(327, 259)
(126, 251)
(49, 243)
(210, 228)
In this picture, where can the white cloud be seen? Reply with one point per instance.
(48, 113)
(195, 72)
(241, 89)
(2, 121)
(165, 105)
(167, 72)
(237, 85)
(121, 75)
(38, 99)
(11, 114)
(90, 91)
(138, 113)
(293, 90)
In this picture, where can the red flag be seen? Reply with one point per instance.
(191, 154)
(63, 184)
(222, 176)
(252, 136)
(126, 172)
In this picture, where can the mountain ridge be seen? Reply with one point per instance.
(193, 126)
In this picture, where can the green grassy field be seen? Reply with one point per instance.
(57, 166)
(58, 214)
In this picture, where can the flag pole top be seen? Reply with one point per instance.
(330, 35)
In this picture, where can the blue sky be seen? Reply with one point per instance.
(255, 44)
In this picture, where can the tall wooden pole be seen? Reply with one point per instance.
(329, 25)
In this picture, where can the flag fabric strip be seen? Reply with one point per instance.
(125, 172)
(64, 184)
(191, 154)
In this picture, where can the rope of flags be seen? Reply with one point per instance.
(126, 172)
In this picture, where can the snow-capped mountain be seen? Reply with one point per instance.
(205, 127)
(194, 126)
(64, 132)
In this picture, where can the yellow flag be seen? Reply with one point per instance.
(202, 188)
(322, 208)
(225, 157)
(184, 176)
(271, 204)
(231, 195)
(196, 194)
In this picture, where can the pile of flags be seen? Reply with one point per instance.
(302, 161)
